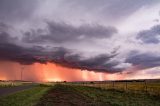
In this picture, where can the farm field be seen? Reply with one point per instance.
(75, 95)
(152, 87)
(28, 97)
(87, 94)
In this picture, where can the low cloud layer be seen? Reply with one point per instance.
(17, 10)
(150, 36)
(57, 55)
(144, 60)
(62, 32)
(88, 35)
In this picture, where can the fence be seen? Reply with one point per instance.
(149, 87)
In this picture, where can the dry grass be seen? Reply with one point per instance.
(12, 83)
(152, 88)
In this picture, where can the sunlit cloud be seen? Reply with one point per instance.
(97, 40)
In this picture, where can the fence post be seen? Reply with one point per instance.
(113, 84)
(99, 84)
(145, 84)
(126, 85)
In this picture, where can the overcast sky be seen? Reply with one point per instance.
(100, 35)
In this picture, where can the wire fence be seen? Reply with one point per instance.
(149, 87)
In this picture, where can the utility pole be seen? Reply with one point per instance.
(22, 72)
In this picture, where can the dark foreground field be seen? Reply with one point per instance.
(71, 95)
(65, 95)
(77, 95)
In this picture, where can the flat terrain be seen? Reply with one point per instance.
(65, 95)
(28, 97)
(10, 90)
(151, 87)
(73, 95)
(82, 94)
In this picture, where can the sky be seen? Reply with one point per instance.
(78, 40)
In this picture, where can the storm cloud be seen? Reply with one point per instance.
(57, 55)
(16, 10)
(58, 32)
(110, 9)
(81, 34)
(150, 36)
(62, 32)
(4, 35)
(144, 60)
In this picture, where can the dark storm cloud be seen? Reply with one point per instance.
(4, 35)
(145, 60)
(10, 50)
(17, 53)
(16, 9)
(58, 55)
(100, 63)
(151, 35)
(97, 63)
(62, 32)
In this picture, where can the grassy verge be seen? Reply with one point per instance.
(7, 84)
(10, 84)
(118, 98)
(28, 97)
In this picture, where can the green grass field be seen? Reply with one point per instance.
(75, 95)
(87, 94)
(119, 98)
(28, 97)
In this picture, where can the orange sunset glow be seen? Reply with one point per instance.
(51, 72)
